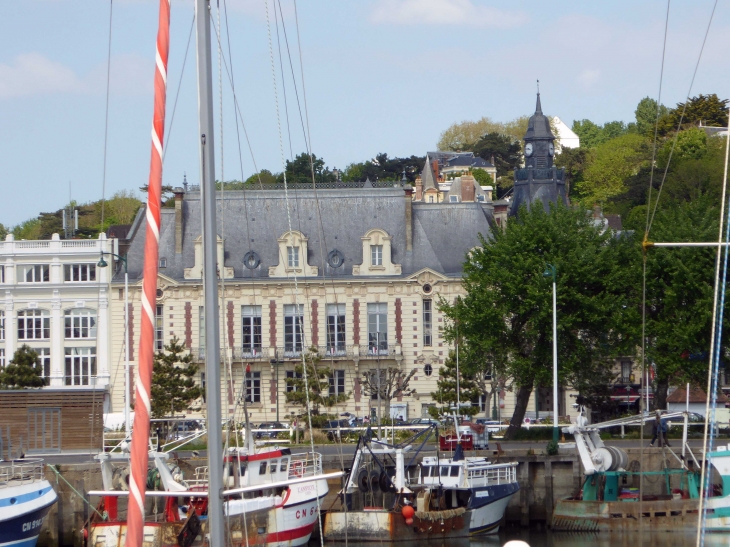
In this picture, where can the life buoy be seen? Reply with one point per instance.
(297, 468)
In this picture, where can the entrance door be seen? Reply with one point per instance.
(44, 430)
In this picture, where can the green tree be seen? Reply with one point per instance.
(709, 110)
(592, 135)
(262, 177)
(173, 384)
(646, 115)
(679, 295)
(573, 160)
(608, 167)
(507, 310)
(318, 379)
(506, 152)
(3, 232)
(482, 177)
(690, 144)
(463, 136)
(445, 393)
(23, 370)
(30, 229)
(299, 170)
(393, 383)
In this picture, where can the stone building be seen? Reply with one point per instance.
(354, 271)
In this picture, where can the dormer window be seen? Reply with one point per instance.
(454, 199)
(292, 257)
(376, 255)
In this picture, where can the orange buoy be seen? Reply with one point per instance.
(407, 512)
(409, 521)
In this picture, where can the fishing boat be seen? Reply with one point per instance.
(25, 499)
(609, 499)
(441, 498)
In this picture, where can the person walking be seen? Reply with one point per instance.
(660, 431)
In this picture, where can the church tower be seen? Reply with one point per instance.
(539, 180)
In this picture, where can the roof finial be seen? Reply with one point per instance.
(538, 87)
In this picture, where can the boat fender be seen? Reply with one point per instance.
(375, 481)
(362, 481)
(386, 485)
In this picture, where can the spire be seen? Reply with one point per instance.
(538, 106)
(428, 176)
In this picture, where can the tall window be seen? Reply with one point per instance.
(293, 325)
(292, 375)
(159, 327)
(626, 371)
(335, 329)
(2, 325)
(201, 328)
(427, 322)
(253, 387)
(376, 255)
(2, 274)
(35, 273)
(378, 328)
(2, 358)
(80, 323)
(292, 257)
(79, 272)
(251, 325)
(44, 360)
(34, 325)
(80, 366)
(337, 382)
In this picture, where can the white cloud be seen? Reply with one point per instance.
(35, 74)
(589, 77)
(443, 12)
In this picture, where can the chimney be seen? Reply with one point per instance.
(467, 188)
(409, 215)
(436, 170)
(419, 188)
(179, 193)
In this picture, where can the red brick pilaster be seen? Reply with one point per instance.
(358, 390)
(188, 325)
(356, 322)
(315, 323)
(398, 321)
(230, 324)
(272, 323)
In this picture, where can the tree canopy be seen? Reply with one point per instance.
(464, 135)
(23, 371)
(173, 381)
(318, 380)
(504, 151)
(506, 314)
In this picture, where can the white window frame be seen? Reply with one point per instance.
(79, 273)
(79, 366)
(253, 386)
(44, 360)
(453, 199)
(2, 274)
(159, 327)
(34, 325)
(336, 330)
(378, 328)
(79, 324)
(376, 255)
(2, 358)
(427, 322)
(337, 382)
(35, 273)
(292, 375)
(293, 329)
(292, 256)
(251, 333)
(2, 325)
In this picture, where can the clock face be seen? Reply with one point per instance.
(551, 149)
(528, 149)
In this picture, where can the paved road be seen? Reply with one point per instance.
(347, 450)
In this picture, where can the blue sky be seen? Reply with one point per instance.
(380, 76)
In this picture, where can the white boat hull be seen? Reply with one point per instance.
(23, 507)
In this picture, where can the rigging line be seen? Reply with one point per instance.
(681, 118)
(656, 123)
(237, 108)
(106, 112)
(296, 282)
(714, 346)
(179, 85)
(281, 68)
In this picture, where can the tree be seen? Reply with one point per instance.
(173, 387)
(264, 176)
(507, 310)
(608, 167)
(464, 135)
(592, 135)
(646, 115)
(679, 295)
(3, 232)
(690, 144)
(393, 383)
(30, 229)
(382, 167)
(506, 153)
(319, 378)
(23, 371)
(482, 177)
(708, 110)
(469, 390)
(573, 160)
(299, 170)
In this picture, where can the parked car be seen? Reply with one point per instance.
(259, 434)
(423, 421)
(336, 428)
(493, 426)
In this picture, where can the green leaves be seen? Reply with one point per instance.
(469, 390)
(318, 381)
(173, 385)
(23, 371)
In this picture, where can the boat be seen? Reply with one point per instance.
(444, 498)
(608, 500)
(25, 499)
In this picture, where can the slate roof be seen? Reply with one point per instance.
(254, 220)
(427, 175)
(466, 161)
(539, 126)
(455, 189)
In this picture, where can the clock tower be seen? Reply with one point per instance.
(539, 180)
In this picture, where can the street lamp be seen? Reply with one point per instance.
(551, 271)
(103, 264)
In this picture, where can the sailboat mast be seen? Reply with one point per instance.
(210, 273)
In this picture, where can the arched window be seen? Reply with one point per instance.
(80, 323)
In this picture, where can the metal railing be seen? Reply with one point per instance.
(488, 475)
(338, 350)
(248, 353)
(371, 351)
(306, 464)
(21, 472)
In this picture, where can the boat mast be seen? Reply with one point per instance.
(210, 273)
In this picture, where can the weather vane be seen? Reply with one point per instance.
(538, 86)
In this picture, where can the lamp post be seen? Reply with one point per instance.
(551, 271)
(103, 264)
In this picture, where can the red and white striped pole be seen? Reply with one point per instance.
(141, 430)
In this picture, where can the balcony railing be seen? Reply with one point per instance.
(198, 354)
(371, 351)
(248, 354)
(339, 350)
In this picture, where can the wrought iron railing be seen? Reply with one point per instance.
(248, 353)
(372, 351)
(308, 186)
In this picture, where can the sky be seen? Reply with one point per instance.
(378, 76)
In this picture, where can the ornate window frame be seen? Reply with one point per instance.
(376, 236)
(293, 238)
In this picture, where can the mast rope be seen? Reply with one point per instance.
(106, 112)
(139, 449)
